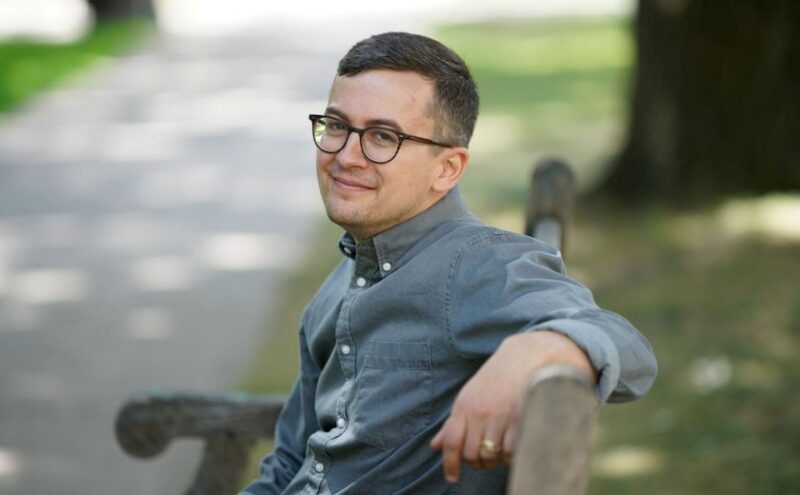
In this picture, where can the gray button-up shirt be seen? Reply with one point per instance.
(396, 330)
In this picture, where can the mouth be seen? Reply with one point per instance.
(350, 184)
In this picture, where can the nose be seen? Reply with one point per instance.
(352, 155)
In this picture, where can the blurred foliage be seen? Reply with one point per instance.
(718, 301)
(29, 67)
(546, 86)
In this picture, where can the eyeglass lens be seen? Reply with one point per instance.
(378, 144)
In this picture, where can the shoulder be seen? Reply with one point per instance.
(482, 245)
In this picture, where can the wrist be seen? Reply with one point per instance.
(550, 347)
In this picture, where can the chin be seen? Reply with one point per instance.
(346, 218)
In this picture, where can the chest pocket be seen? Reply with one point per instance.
(394, 388)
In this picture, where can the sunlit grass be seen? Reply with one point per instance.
(27, 68)
(558, 87)
(527, 49)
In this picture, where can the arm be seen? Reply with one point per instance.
(279, 467)
(294, 426)
(510, 302)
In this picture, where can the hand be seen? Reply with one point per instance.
(489, 406)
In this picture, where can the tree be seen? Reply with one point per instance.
(715, 100)
(120, 9)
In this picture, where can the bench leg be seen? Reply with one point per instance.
(224, 460)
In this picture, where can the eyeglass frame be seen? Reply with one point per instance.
(361, 130)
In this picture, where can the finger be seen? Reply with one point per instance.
(472, 443)
(436, 443)
(491, 464)
(510, 443)
(494, 433)
(452, 443)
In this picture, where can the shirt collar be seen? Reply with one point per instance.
(390, 246)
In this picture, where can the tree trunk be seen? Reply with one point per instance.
(715, 102)
(121, 9)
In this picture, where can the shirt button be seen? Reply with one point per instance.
(386, 267)
(361, 282)
(319, 467)
(341, 423)
(346, 349)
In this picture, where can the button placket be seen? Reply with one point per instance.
(344, 342)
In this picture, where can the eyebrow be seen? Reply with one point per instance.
(370, 123)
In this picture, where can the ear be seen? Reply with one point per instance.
(452, 164)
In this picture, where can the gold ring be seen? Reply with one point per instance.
(491, 447)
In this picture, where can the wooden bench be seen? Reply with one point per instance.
(553, 449)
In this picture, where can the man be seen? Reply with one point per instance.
(416, 350)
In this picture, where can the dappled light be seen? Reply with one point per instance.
(774, 217)
(248, 251)
(50, 286)
(10, 464)
(623, 462)
(707, 374)
(163, 273)
(149, 324)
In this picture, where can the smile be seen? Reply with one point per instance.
(350, 185)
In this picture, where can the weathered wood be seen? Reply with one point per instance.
(552, 455)
(551, 202)
(229, 424)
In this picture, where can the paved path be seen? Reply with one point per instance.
(146, 215)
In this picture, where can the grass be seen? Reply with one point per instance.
(722, 313)
(27, 68)
(555, 86)
(714, 289)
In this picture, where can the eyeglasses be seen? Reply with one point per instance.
(379, 144)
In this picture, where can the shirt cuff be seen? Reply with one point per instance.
(597, 345)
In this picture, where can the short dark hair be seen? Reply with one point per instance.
(455, 99)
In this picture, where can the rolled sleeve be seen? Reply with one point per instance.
(505, 284)
(622, 357)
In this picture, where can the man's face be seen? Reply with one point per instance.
(360, 196)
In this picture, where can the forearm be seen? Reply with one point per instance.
(621, 356)
(549, 347)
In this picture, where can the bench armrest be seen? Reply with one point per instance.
(552, 455)
(229, 424)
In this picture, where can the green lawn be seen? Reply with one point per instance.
(715, 290)
(27, 68)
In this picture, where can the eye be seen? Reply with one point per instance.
(382, 137)
(334, 125)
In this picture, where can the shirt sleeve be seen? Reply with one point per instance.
(504, 283)
(292, 430)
